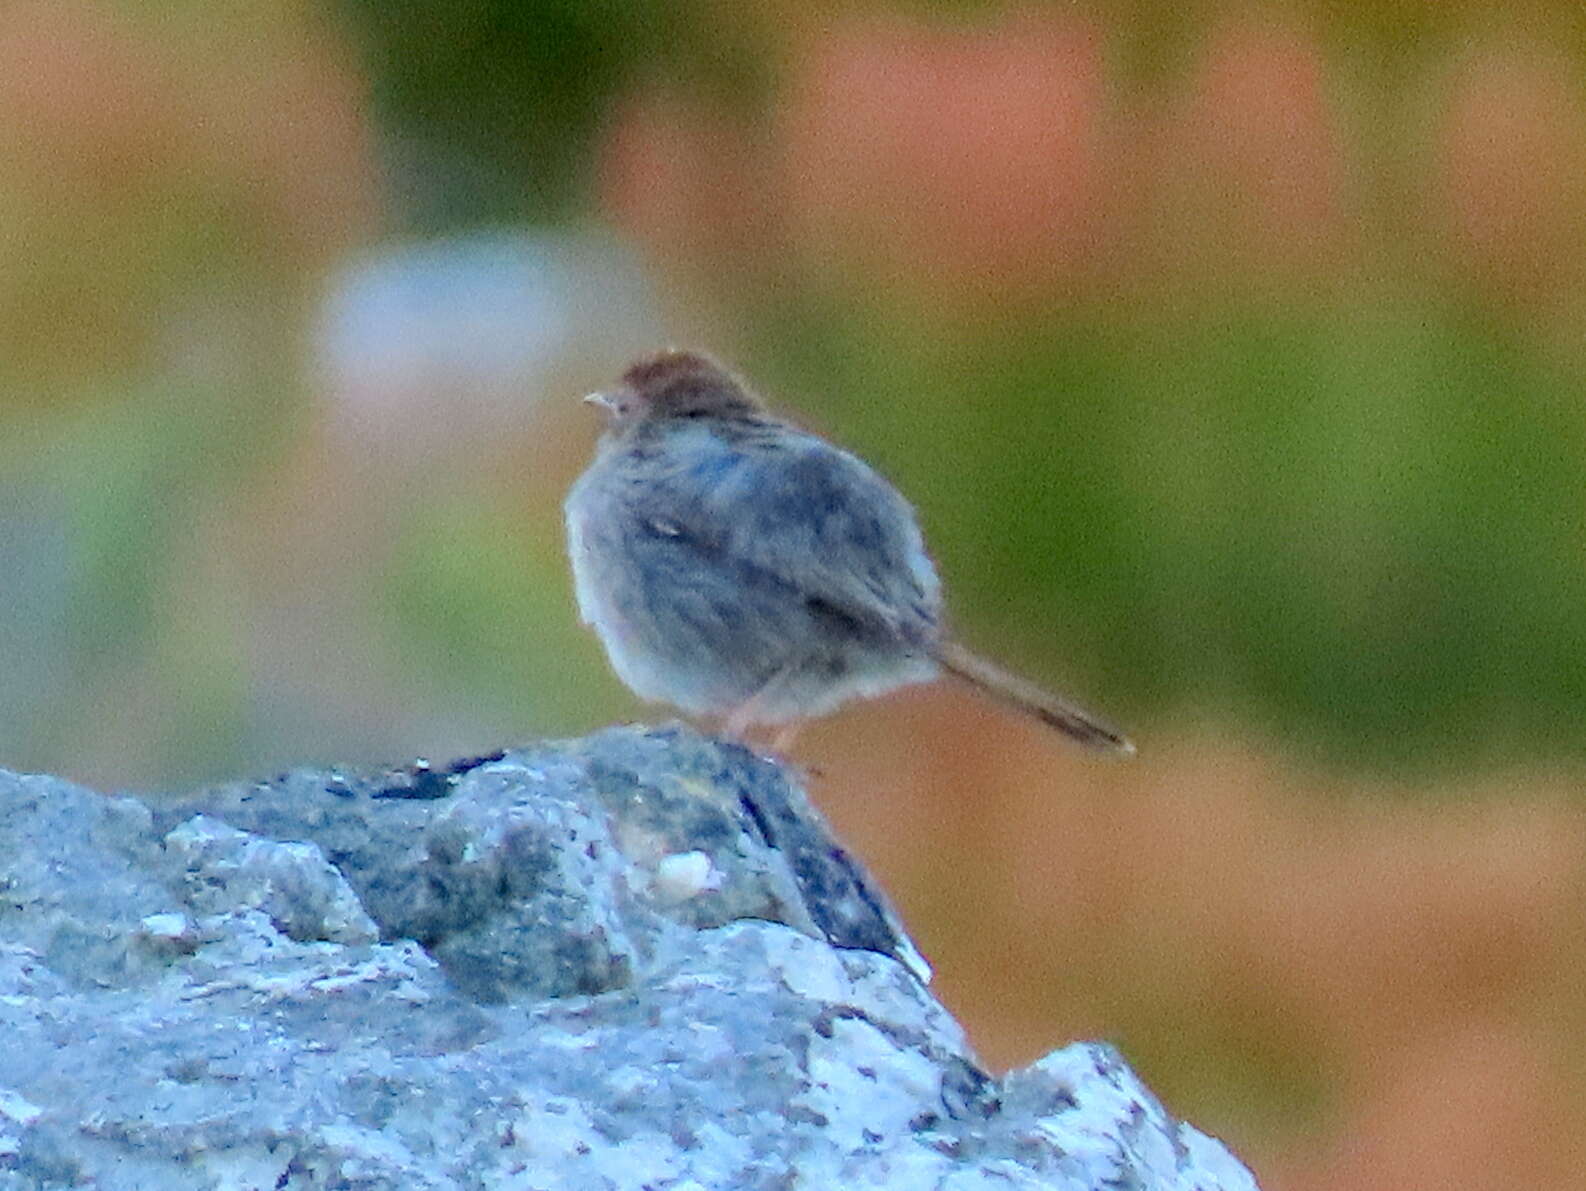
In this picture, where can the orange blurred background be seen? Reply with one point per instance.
(1233, 354)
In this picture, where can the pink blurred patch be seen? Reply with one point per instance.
(968, 157)
(684, 179)
(154, 158)
(82, 106)
(96, 105)
(1245, 170)
(1510, 171)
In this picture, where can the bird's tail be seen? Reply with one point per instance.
(1052, 710)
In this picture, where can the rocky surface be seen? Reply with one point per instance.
(632, 961)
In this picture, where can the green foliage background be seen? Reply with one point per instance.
(1355, 523)
(1348, 520)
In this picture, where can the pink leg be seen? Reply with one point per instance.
(741, 718)
(735, 724)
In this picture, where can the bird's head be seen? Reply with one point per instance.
(675, 384)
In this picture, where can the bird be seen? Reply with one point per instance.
(742, 569)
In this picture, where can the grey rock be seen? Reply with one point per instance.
(633, 961)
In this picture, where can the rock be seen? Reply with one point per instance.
(633, 961)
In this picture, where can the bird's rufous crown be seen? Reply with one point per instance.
(681, 383)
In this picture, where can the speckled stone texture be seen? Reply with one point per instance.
(635, 961)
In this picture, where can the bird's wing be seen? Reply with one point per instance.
(813, 518)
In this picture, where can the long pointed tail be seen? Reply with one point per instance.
(1052, 710)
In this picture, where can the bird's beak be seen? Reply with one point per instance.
(601, 401)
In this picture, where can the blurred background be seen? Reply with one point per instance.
(1233, 353)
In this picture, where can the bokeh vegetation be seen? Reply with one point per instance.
(1237, 351)
(1233, 355)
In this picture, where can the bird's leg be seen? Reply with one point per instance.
(735, 724)
(782, 742)
(740, 719)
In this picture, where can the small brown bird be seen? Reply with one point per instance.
(734, 565)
